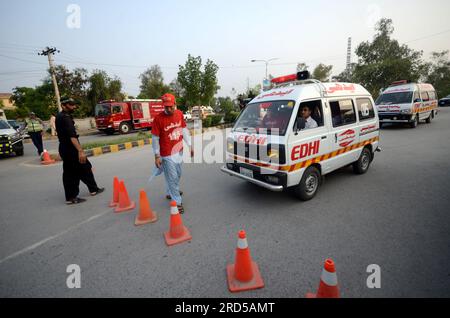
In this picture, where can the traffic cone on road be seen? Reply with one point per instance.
(125, 204)
(177, 233)
(146, 214)
(46, 159)
(328, 287)
(244, 273)
(115, 198)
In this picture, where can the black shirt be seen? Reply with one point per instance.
(65, 128)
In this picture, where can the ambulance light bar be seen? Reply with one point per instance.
(400, 82)
(299, 76)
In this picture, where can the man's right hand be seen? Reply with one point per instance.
(82, 157)
(158, 162)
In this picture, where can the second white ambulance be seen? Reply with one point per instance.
(276, 145)
(404, 102)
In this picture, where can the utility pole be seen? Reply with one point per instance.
(49, 53)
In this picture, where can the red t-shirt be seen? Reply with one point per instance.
(169, 129)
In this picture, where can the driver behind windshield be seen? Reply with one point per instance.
(275, 119)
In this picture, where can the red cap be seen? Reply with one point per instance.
(168, 99)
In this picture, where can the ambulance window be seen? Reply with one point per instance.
(432, 95)
(424, 96)
(316, 111)
(365, 109)
(342, 112)
(416, 96)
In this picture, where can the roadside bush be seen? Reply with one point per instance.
(215, 119)
(231, 117)
(206, 122)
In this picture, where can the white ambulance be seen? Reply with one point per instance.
(302, 129)
(404, 102)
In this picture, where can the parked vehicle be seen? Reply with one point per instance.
(445, 101)
(132, 114)
(187, 115)
(202, 111)
(10, 140)
(404, 102)
(274, 146)
(19, 127)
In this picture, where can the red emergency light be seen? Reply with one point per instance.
(399, 82)
(290, 78)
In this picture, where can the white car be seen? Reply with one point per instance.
(187, 115)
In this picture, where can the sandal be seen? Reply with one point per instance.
(168, 197)
(75, 201)
(100, 190)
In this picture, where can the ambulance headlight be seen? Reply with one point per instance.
(405, 111)
(230, 145)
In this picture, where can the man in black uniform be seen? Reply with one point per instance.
(76, 166)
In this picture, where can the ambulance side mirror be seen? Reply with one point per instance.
(301, 123)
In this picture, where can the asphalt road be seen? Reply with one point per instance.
(395, 216)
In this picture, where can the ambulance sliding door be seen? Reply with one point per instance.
(344, 133)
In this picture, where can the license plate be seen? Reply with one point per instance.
(246, 172)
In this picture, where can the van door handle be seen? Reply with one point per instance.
(335, 137)
(324, 137)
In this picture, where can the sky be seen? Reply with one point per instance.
(124, 38)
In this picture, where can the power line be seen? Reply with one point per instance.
(19, 59)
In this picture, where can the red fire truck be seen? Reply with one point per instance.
(112, 116)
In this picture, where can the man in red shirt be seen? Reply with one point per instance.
(169, 130)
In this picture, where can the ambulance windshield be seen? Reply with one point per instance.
(394, 98)
(265, 118)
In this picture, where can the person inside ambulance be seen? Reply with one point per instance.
(275, 118)
(305, 113)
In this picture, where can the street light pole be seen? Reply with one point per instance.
(267, 62)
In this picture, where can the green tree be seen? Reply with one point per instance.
(209, 85)
(225, 105)
(346, 75)
(384, 60)
(39, 100)
(198, 87)
(439, 73)
(322, 72)
(152, 83)
(102, 87)
(190, 79)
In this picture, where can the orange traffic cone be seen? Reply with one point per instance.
(115, 199)
(328, 287)
(46, 160)
(146, 214)
(244, 273)
(177, 233)
(124, 200)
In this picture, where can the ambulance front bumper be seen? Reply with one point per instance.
(394, 118)
(271, 187)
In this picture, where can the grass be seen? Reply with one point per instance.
(101, 143)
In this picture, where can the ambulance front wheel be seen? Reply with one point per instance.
(362, 164)
(309, 184)
(415, 122)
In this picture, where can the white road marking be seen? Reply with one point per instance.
(36, 245)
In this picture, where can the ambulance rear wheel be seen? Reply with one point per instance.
(124, 128)
(428, 120)
(362, 164)
(308, 186)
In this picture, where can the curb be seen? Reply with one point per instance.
(94, 152)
